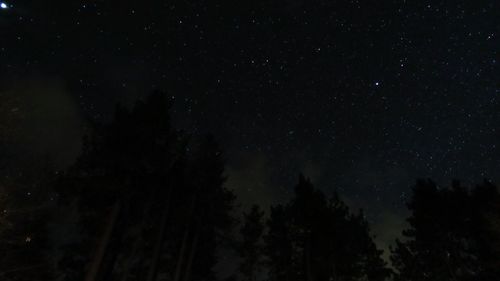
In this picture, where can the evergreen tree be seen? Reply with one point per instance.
(279, 245)
(486, 229)
(315, 238)
(449, 237)
(250, 249)
(121, 177)
(150, 205)
(205, 213)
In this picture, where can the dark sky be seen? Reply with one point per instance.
(362, 96)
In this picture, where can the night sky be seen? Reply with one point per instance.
(363, 97)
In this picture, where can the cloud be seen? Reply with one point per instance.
(39, 119)
(250, 178)
(388, 228)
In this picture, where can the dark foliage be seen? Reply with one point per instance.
(251, 248)
(147, 202)
(147, 205)
(451, 235)
(315, 238)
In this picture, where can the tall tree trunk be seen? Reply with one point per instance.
(287, 267)
(182, 253)
(308, 258)
(128, 263)
(153, 270)
(180, 260)
(135, 248)
(104, 241)
(192, 254)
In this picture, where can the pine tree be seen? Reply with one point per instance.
(207, 215)
(486, 229)
(250, 249)
(279, 245)
(118, 182)
(150, 204)
(449, 236)
(315, 238)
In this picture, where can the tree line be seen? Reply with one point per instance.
(145, 201)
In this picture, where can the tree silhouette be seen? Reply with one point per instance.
(486, 204)
(208, 215)
(315, 238)
(150, 204)
(449, 237)
(122, 173)
(279, 245)
(250, 249)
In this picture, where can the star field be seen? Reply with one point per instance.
(362, 96)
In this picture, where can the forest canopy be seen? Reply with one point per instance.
(148, 201)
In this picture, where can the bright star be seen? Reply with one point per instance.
(3, 5)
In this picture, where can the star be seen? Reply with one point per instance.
(4, 5)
